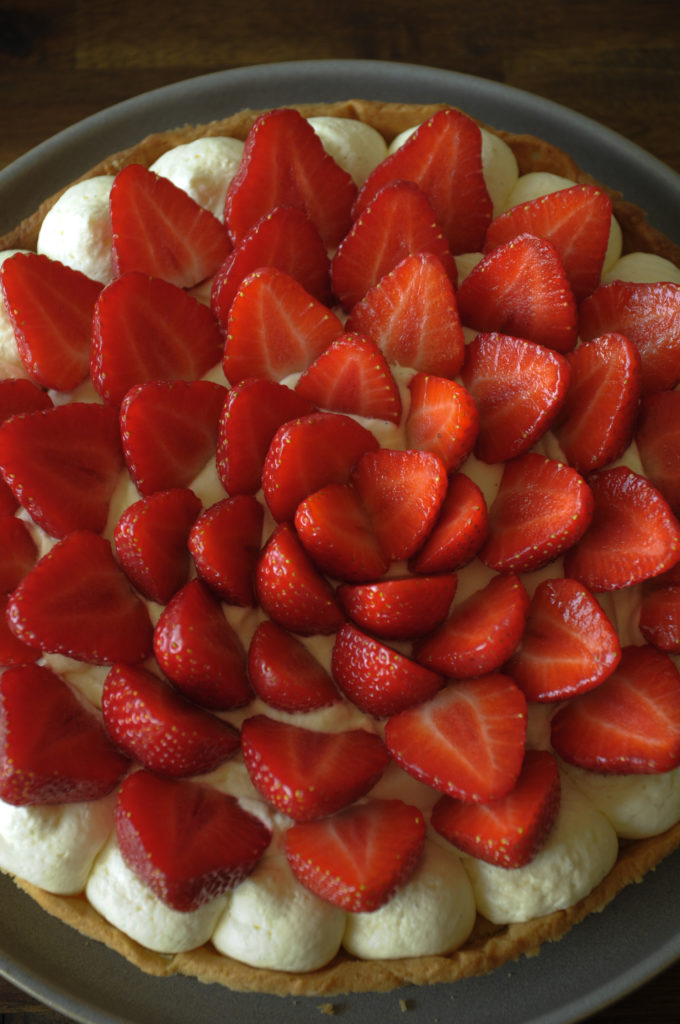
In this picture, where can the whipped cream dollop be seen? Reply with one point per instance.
(77, 229)
(203, 168)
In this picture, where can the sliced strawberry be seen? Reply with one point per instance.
(597, 418)
(352, 376)
(659, 620)
(285, 674)
(188, 842)
(275, 328)
(169, 430)
(466, 741)
(53, 749)
(63, 464)
(377, 679)
(337, 534)
(443, 156)
(630, 723)
(541, 509)
(13, 651)
(306, 454)
(510, 831)
(155, 725)
(412, 315)
(442, 418)
(50, 307)
(633, 535)
(18, 395)
(357, 859)
(459, 531)
(402, 492)
(151, 538)
(284, 164)
(649, 316)
(658, 441)
(159, 230)
(568, 646)
(199, 651)
(279, 756)
(399, 608)
(481, 632)
(291, 589)
(520, 288)
(18, 552)
(225, 542)
(146, 329)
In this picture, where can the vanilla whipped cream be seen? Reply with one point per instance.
(635, 805)
(203, 169)
(77, 229)
(356, 146)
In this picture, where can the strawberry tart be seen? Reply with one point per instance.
(339, 547)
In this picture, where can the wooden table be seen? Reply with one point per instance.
(617, 63)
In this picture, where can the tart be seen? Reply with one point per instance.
(316, 589)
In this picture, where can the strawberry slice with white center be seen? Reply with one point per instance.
(285, 674)
(541, 509)
(658, 441)
(568, 646)
(649, 316)
(399, 608)
(199, 651)
(377, 679)
(155, 725)
(518, 387)
(508, 832)
(444, 157)
(659, 620)
(481, 632)
(459, 531)
(412, 315)
(467, 741)
(597, 419)
(54, 750)
(150, 540)
(63, 465)
(337, 533)
(13, 651)
(442, 418)
(77, 601)
(188, 842)
(398, 223)
(632, 537)
(357, 859)
(18, 552)
(307, 774)
(146, 329)
(352, 376)
(17, 395)
(630, 724)
(159, 230)
(50, 307)
(520, 288)
(225, 542)
(275, 328)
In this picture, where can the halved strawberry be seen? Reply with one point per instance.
(50, 307)
(225, 542)
(146, 329)
(199, 651)
(54, 750)
(159, 230)
(308, 774)
(481, 632)
(509, 831)
(659, 620)
(188, 842)
(376, 678)
(17, 395)
(401, 607)
(357, 859)
(275, 328)
(648, 315)
(630, 723)
(284, 164)
(597, 419)
(18, 552)
(13, 651)
(169, 430)
(337, 533)
(568, 645)
(285, 673)
(459, 530)
(412, 315)
(150, 540)
(155, 725)
(63, 465)
(352, 376)
(632, 537)
(466, 741)
(658, 441)
(520, 288)
(442, 418)
(541, 509)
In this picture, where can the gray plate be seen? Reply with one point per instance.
(600, 960)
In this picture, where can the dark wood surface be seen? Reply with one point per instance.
(616, 63)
